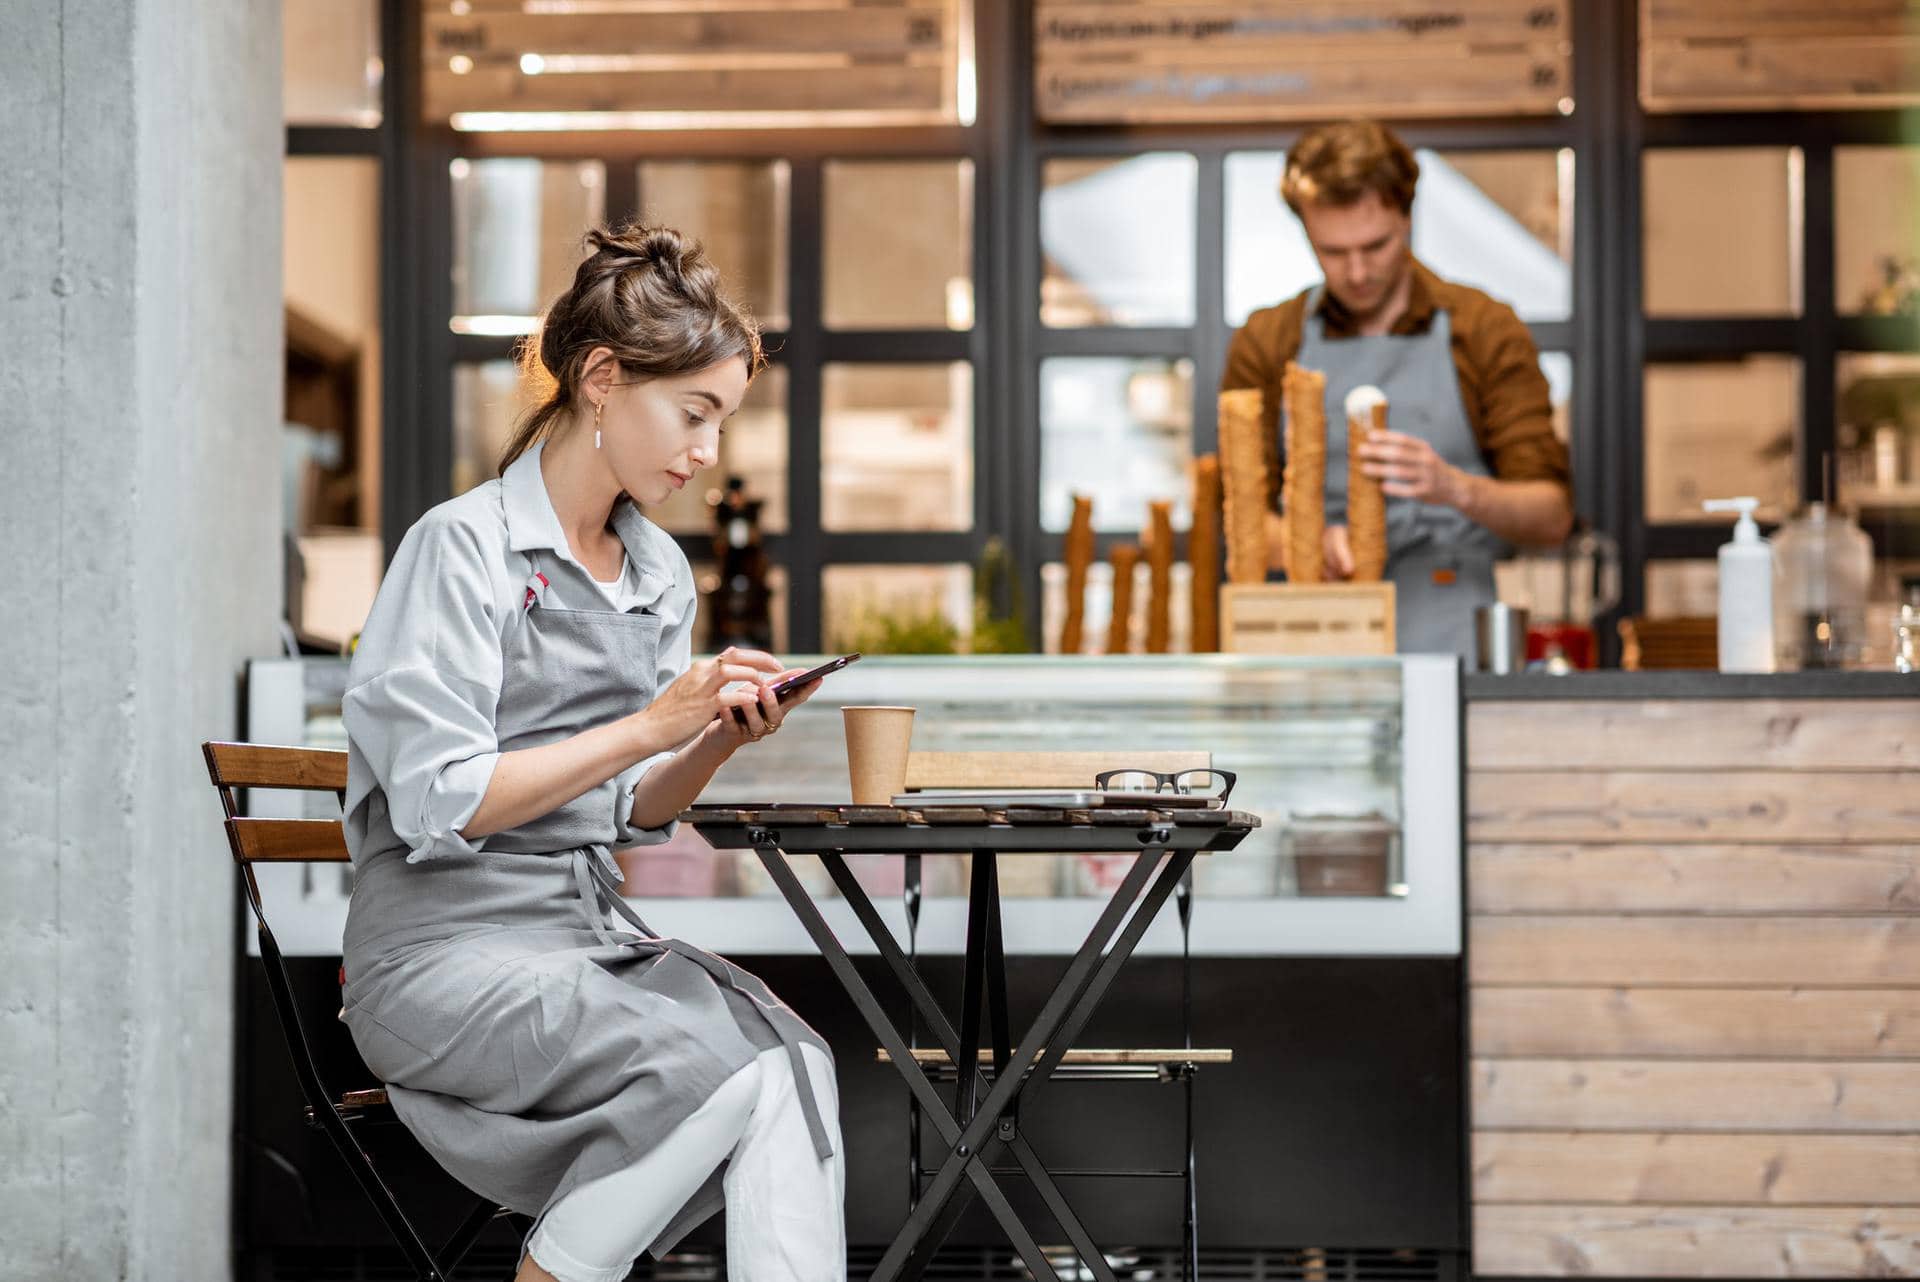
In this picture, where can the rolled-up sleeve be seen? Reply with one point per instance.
(1515, 419)
(674, 655)
(424, 690)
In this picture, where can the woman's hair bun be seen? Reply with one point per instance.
(653, 299)
(626, 248)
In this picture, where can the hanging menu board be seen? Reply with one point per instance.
(1773, 55)
(1147, 61)
(560, 64)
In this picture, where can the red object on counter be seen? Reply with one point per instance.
(1575, 641)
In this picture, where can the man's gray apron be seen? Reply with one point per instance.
(1441, 564)
(526, 1045)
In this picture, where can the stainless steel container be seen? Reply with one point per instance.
(1499, 639)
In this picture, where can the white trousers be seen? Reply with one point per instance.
(786, 1219)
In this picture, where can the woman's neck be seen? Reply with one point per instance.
(580, 488)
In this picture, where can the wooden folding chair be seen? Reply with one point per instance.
(245, 765)
(936, 770)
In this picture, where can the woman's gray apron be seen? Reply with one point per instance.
(1441, 563)
(527, 1045)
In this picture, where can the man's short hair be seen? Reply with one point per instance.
(1339, 164)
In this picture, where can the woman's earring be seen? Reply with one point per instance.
(597, 407)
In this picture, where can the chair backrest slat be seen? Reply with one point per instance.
(283, 841)
(258, 765)
(927, 770)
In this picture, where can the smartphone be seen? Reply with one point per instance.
(782, 689)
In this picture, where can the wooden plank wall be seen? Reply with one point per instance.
(1142, 61)
(1757, 55)
(1694, 960)
(893, 58)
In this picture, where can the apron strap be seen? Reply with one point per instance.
(597, 878)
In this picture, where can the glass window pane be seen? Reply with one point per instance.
(1721, 233)
(1116, 238)
(1119, 428)
(1876, 216)
(1877, 465)
(754, 447)
(330, 57)
(897, 609)
(517, 229)
(899, 244)
(896, 447)
(331, 281)
(1500, 221)
(738, 210)
(488, 399)
(706, 577)
(1717, 429)
(1683, 589)
(1096, 618)
(1268, 259)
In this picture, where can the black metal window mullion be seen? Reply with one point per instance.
(1818, 369)
(406, 484)
(1140, 341)
(1211, 333)
(337, 140)
(1005, 61)
(803, 357)
(1000, 412)
(621, 196)
(1616, 302)
(1553, 336)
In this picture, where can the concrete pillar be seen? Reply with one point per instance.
(140, 407)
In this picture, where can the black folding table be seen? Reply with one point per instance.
(982, 1111)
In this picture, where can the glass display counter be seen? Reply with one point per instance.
(1352, 765)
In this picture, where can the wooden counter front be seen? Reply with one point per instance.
(1694, 969)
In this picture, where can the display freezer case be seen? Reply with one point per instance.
(1352, 765)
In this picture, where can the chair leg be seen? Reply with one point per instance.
(1190, 1229)
(457, 1246)
(910, 892)
(426, 1268)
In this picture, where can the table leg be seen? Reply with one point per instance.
(775, 861)
(942, 1031)
(981, 910)
(996, 967)
(1058, 1006)
(1109, 970)
(910, 893)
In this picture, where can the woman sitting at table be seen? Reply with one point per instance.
(521, 703)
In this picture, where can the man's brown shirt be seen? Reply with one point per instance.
(1501, 385)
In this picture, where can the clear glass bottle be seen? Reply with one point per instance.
(1825, 562)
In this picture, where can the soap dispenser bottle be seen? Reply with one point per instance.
(1746, 592)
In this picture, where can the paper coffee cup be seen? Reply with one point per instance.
(877, 741)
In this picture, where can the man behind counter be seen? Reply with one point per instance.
(1470, 465)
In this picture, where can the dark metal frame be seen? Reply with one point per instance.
(324, 1111)
(985, 1109)
(1609, 338)
(1186, 1074)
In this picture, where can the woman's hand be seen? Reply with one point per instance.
(758, 719)
(708, 688)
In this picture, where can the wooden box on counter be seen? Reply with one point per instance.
(1307, 619)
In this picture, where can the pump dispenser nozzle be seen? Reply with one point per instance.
(1744, 529)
